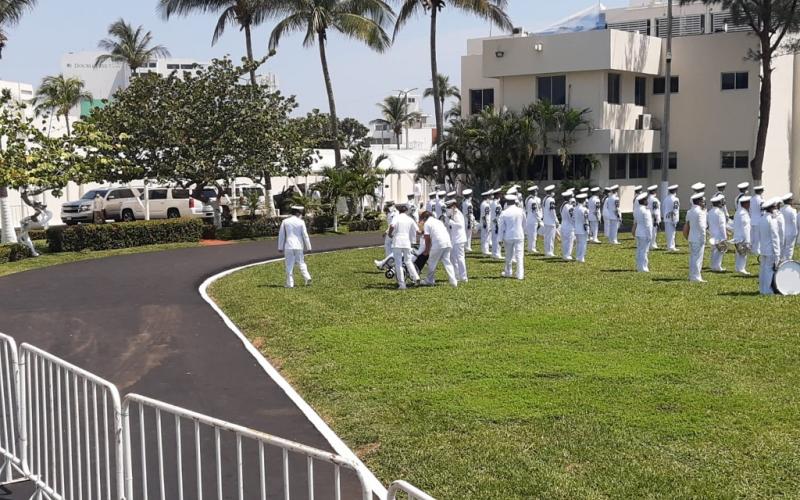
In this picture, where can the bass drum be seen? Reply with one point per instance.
(787, 278)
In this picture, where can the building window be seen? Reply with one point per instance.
(637, 166)
(613, 88)
(480, 99)
(673, 161)
(659, 85)
(735, 159)
(538, 169)
(617, 166)
(552, 89)
(735, 81)
(640, 91)
(173, 66)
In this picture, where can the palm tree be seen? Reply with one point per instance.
(246, 14)
(490, 10)
(11, 12)
(368, 175)
(394, 110)
(130, 46)
(59, 94)
(336, 185)
(362, 20)
(445, 90)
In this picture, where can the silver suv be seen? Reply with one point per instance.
(74, 212)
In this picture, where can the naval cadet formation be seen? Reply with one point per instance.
(443, 232)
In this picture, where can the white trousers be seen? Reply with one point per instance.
(459, 261)
(582, 241)
(497, 252)
(716, 259)
(387, 245)
(594, 230)
(549, 241)
(643, 254)
(532, 233)
(741, 263)
(654, 238)
(441, 255)
(515, 255)
(403, 256)
(696, 253)
(295, 257)
(755, 240)
(787, 253)
(766, 274)
(669, 231)
(613, 230)
(470, 233)
(567, 243)
(486, 240)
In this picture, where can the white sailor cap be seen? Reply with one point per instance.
(390, 203)
(451, 194)
(584, 190)
(698, 187)
(487, 193)
(550, 188)
(567, 194)
(745, 199)
(717, 199)
(770, 203)
(743, 185)
(615, 187)
(673, 187)
(297, 208)
(533, 188)
(595, 190)
(441, 193)
(758, 188)
(638, 187)
(497, 191)
(512, 190)
(787, 197)
(402, 205)
(698, 196)
(582, 196)
(466, 192)
(641, 197)
(450, 202)
(432, 194)
(652, 188)
(511, 197)
(606, 189)
(721, 185)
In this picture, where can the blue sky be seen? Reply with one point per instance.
(360, 77)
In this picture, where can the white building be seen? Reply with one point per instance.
(613, 64)
(418, 135)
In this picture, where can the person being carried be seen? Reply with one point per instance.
(292, 242)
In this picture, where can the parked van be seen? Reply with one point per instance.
(74, 212)
(166, 203)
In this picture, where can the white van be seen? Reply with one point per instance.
(165, 203)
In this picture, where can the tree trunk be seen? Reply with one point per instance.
(764, 109)
(337, 148)
(249, 42)
(269, 207)
(7, 233)
(437, 105)
(66, 120)
(397, 137)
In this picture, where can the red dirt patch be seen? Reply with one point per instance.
(214, 243)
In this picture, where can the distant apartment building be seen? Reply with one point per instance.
(614, 65)
(417, 135)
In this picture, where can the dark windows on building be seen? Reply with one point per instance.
(537, 171)
(637, 165)
(735, 81)
(617, 166)
(613, 88)
(480, 99)
(673, 161)
(552, 89)
(735, 159)
(659, 85)
(640, 91)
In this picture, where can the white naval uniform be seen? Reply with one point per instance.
(724, 204)
(550, 219)
(486, 235)
(770, 252)
(567, 230)
(497, 209)
(387, 240)
(404, 235)
(469, 218)
(790, 232)
(644, 234)
(671, 212)
(582, 231)
(603, 203)
(512, 232)
(532, 210)
(697, 218)
(439, 251)
(654, 205)
(741, 235)
(413, 212)
(613, 218)
(594, 218)
(755, 220)
(292, 241)
(717, 221)
(458, 237)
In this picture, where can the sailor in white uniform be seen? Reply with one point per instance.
(293, 241)
(606, 194)
(741, 233)
(637, 190)
(671, 212)
(458, 237)
(718, 231)
(581, 226)
(643, 232)
(567, 225)
(695, 232)
(614, 217)
(497, 209)
(438, 248)
(755, 218)
(391, 211)
(533, 210)
(438, 205)
(485, 225)
(654, 205)
(721, 191)
(595, 217)
(512, 233)
(413, 210)
(468, 210)
(550, 221)
(403, 232)
(790, 227)
(743, 187)
(698, 188)
(431, 201)
(770, 245)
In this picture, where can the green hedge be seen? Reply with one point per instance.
(13, 253)
(365, 225)
(270, 226)
(127, 235)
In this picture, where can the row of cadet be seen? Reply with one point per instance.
(448, 231)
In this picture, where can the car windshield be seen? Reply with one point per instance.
(93, 193)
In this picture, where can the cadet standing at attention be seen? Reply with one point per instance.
(603, 202)
(790, 230)
(485, 215)
(532, 217)
(567, 225)
(458, 237)
(512, 232)
(497, 209)
(469, 216)
(718, 230)
(550, 219)
(654, 205)
(643, 232)
(672, 216)
(292, 241)
(614, 217)
(594, 215)
(755, 218)
(741, 234)
(770, 245)
(582, 227)
(403, 232)
(637, 190)
(743, 187)
(695, 232)
(721, 192)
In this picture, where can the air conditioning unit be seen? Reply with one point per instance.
(644, 122)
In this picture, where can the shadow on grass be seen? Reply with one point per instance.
(618, 270)
(270, 286)
(669, 280)
(740, 294)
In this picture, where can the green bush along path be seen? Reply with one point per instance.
(583, 381)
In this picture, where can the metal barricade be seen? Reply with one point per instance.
(397, 488)
(73, 421)
(12, 434)
(174, 453)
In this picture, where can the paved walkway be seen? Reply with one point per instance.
(138, 321)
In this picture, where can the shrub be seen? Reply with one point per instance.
(209, 232)
(36, 234)
(127, 235)
(365, 225)
(14, 252)
(270, 226)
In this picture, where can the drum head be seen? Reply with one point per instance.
(787, 278)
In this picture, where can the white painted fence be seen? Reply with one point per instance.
(12, 438)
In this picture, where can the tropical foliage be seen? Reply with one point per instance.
(130, 46)
(446, 90)
(316, 127)
(58, 95)
(11, 12)
(395, 115)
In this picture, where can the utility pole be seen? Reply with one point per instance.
(404, 95)
(667, 106)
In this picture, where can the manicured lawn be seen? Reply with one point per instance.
(583, 381)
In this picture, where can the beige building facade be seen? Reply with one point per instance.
(617, 73)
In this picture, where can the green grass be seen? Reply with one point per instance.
(583, 381)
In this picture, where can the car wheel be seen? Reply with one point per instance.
(127, 215)
(173, 213)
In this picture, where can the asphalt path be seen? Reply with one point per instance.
(139, 322)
